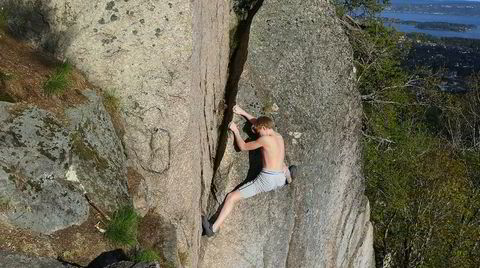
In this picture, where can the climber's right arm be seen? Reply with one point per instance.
(242, 145)
(240, 111)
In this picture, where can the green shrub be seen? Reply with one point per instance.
(147, 255)
(59, 81)
(122, 229)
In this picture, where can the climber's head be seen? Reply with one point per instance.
(263, 126)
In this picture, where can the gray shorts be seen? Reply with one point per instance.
(266, 181)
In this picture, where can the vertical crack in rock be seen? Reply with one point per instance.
(238, 58)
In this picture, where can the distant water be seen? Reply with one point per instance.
(473, 34)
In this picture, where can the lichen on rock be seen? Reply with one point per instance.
(176, 66)
(47, 165)
(33, 155)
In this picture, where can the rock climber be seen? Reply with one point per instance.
(274, 173)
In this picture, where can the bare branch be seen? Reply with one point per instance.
(378, 139)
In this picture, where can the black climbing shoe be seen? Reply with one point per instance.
(207, 227)
(293, 172)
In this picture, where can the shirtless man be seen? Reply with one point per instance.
(273, 175)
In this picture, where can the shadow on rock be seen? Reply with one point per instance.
(29, 22)
(108, 258)
(254, 163)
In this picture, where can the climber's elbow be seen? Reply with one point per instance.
(242, 147)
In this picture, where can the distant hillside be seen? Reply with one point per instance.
(396, 2)
(462, 8)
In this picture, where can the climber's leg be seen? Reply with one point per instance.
(228, 205)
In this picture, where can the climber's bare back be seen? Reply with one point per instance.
(273, 151)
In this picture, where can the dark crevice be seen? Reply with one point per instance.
(235, 67)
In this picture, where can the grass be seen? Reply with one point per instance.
(147, 255)
(111, 101)
(59, 81)
(122, 229)
(3, 18)
(5, 76)
(4, 203)
(4, 96)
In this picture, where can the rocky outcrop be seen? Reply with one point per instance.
(176, 66)
(168, 62)
(299, 71)
(10, 259)
(47, 164)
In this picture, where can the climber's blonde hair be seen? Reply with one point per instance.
(263, 121)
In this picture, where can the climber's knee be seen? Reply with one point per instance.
(233, 197)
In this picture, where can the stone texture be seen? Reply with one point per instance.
(10, 259)
(299, 71)
(46, 165)
(213, 27)
(34, 189)
(98, 159)
(168, 62)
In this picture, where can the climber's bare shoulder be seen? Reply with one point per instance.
(273, 151)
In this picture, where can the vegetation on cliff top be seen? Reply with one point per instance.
(111, 101)
(368, 7)
(59, 81)
(147, 256)
(122, 229)
(421, 155)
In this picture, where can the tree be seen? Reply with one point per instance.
(365, 7)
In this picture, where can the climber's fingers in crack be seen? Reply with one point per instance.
(232, 126)
(237, 109)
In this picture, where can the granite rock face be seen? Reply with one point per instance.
(299, 71)
(168, 62)
(97, 157)
(35, 191)
(47, 164)
(176, 65)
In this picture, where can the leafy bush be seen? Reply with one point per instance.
(122, 229)
(59, 81)
(147, 255)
